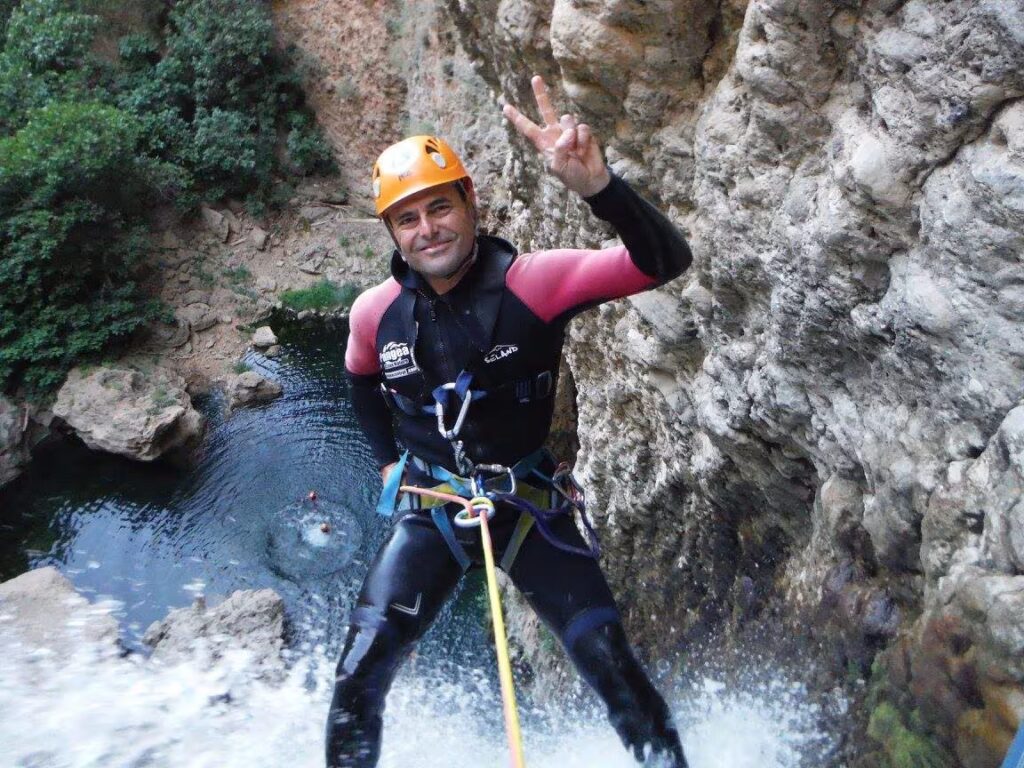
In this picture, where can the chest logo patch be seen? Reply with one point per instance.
(396, 360)
(500, 352)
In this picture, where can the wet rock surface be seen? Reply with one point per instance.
(14, 453)
(249, 620)
(249, 388)
(42, 609)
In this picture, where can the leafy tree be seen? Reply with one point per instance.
(86, 143)
(6, 6)
(69, 199)
(44, 58)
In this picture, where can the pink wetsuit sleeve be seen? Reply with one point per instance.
(552, 283)
(364, 321)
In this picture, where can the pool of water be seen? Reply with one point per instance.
(155, 537)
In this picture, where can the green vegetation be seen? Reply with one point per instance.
(241, 367)
(905, 740)
(322, 295)
(191, 108)
(904, 747)
(6, 6)
(240, 275)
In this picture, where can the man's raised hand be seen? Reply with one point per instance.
(570, 151)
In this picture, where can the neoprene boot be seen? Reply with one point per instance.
(636, 710)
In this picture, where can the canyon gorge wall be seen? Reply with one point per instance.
(823, 419)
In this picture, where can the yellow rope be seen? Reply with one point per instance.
(478, 507)
(508, 693)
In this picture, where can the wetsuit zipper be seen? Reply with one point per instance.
(446, 365)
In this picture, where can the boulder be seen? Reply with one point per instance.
(172, 335)
(124, 411)
(259, 238)
(266, 284)
(264, 337)
(199, 316)
(312, 213)
(216, 222)
(250, 620)
(234, 225)
(196, 296)
(13, 451)
(313, 259)
(42, 609)
(249, 388)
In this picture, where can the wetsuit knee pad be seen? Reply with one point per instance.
(586, 622)
(373, 644)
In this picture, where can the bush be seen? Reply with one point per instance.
(215, 102)
(6, 6)
(68, 241)
(307, 150)
(322, 295)
(43, 59)
(86, 144)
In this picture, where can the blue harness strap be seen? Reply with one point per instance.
(1015, 757)
(544, 517)
(389, 493)
(444, 526)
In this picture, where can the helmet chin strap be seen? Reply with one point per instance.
(470, 256)
(466, 261)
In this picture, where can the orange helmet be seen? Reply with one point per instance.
(412, 165)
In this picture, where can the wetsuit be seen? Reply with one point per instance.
(503, 324)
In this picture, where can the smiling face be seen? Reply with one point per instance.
(435, 231)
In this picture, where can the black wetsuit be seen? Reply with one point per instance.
(504, 322)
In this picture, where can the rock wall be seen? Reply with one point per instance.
(822, 418)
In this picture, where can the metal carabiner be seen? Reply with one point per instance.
(495, 469)
(451, 434)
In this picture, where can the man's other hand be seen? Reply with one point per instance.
(570, 150)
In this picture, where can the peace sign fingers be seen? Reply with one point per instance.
(569, 149)
(525, 126)
(543, 99)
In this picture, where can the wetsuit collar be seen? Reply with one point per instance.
(480, 290)
(487, 272)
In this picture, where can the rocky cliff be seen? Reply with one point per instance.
(823, 418)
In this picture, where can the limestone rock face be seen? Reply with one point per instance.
(13, 451)
(42, 610)
(836, 380)
(125, 411)
(251, 620)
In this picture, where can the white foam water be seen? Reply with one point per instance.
(98, 709)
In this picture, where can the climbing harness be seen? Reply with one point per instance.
(476, 512)
(476, 489)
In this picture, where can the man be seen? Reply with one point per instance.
(463, 310)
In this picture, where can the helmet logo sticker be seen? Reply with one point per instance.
(438, 158)
(376, 188)
(398, 161)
